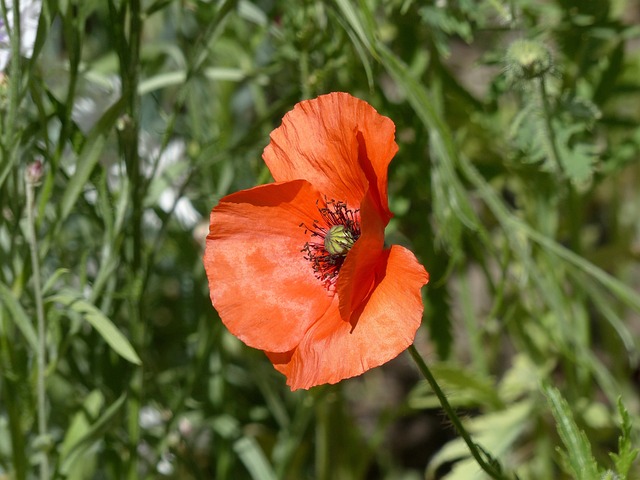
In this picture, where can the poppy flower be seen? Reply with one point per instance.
(298, 268)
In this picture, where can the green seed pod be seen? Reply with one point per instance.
(527, 59)
(338, 240)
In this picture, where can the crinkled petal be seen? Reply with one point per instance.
(339, 143)
(358, 273)
(333, 349)
(260, 283)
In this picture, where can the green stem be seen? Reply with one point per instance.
(127, 29)
(490, 466)
(323, 440)
(10, 384)
(42, 343)
(9, 141)
(304, 75)
(14, 73)
(546, 107)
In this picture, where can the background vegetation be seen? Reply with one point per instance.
(516, 184)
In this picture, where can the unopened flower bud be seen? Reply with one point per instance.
(527, 59)
(33, 173)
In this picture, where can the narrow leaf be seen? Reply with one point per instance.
(74, 448)
(98, 320)
(87, 160)
(245, 447)
(18, 315)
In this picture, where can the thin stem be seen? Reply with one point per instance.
(9, 140)
(304, 75)
(127, 30)
(490, 467)
(42, 343)
(14, 74)
(323, 440)
(546, 107)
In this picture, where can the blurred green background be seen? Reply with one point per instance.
(516, 185)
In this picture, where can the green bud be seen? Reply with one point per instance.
(338, 240)
(193, 149)
(123, 122)
(527, 59)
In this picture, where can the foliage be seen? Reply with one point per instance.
(515, 184)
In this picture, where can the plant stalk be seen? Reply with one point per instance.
(546, 107)
(42, 341)
(490, 465)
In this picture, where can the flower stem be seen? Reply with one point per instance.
(551, 137)
(486, 462)
(42, 341)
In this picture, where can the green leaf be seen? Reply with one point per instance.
(578, 457)
(512, 225)
(350, 15)
(87, 160)
(49, 284)
(81, 422)
(179, 77)
(577, 160)
(245, 447)
(463, 389)
(82, 434)
(626, 452)
(18, 316)
(98, 320)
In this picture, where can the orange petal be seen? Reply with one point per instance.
(260, 283)
(357, 275)
(333, 349)
(338, 143)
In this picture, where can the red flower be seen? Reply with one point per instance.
(298, 267)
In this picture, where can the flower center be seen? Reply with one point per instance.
(338, 240)
(331, 239)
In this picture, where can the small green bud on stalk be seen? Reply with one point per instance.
(527, 59)
(33, 173)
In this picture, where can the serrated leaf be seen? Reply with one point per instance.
(98, 320)
(577, 160)
(626, 452)
(577, 453)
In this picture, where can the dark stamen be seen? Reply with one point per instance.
(326, 265)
